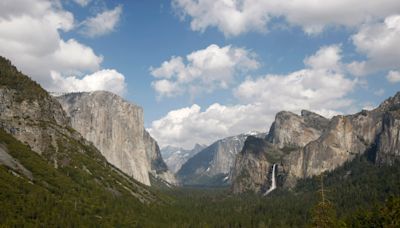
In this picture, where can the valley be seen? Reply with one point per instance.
(85, 159)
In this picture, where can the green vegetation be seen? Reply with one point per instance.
(11, 78)
(70, 196)
(324, 213)
(353, 191)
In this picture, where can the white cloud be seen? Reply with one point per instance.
(82, 3)
(234, 17)
(230, 17)
(327, 57)
(379, 42)
(30, 38)
(103, 23)
(16, 8)
(393, 76)
(106, 79)
(186, 126)
(166, 88)
(204, 70)
(304, 89)
(320, 87)
(357, 68)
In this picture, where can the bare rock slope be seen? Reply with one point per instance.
(116, 128)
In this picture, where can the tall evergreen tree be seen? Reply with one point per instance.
(324, 213)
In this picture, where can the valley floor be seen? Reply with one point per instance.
(360, 193)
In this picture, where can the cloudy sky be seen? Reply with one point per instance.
(207, 69)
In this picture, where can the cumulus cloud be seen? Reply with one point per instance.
(230, 17)
(379, 42)
(30, 38)
(234, 17)
(103, 23)
(307, 88)
(203, 70)
(320, 86)
(327, 57)
(167, 88)
(393, 76)
(106, 79)
(186, 126)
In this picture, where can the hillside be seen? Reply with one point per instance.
(52, 175)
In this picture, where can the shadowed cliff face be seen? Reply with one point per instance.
(116, 128)
(212, 165)
(310, 145)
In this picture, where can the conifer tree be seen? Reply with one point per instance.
(323, 214)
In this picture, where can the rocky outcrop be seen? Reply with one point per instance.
(175, 157)
(291, 130)
(7, 160)
(32, 116)
(388, 143)
(310, 145)
(32, 120)
(251, 167)
(116, 128)
(212, 165)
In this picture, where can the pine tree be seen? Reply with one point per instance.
(324, 213)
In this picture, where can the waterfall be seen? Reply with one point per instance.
(273, 184)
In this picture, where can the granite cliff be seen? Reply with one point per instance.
(39, 146)
(308, 145)
(116, 128)
(253, 165)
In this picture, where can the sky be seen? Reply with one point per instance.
(206, 69)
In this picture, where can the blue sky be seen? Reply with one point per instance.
(229, 65)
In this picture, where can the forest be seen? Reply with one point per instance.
(358, 194)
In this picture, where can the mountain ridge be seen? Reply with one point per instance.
(326, 145)
(212, 165)
(175, 157)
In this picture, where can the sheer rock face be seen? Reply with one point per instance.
(291, 130)
(324, 146)
(388, 148)
(251, 166)
(116, 128)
